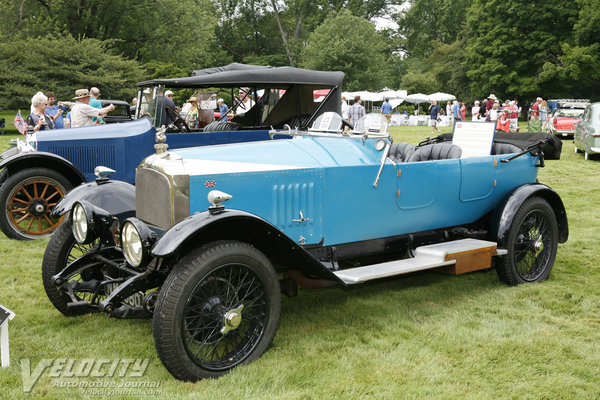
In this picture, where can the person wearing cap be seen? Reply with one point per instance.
(490, 103)
(222, 107)
(386, 110)
(191, 118)
(244, 102)
(166, 119)
(81, 111)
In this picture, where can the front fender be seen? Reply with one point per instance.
(115, 197)
(504, 214)
(204, 227)
(19, 161)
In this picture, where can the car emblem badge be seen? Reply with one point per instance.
(210, 183)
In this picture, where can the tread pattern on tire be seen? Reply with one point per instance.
(505, 267)
(15, 179)
(163, 326)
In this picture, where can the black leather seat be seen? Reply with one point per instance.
(436, 151)
(400, 152)
(505, 148)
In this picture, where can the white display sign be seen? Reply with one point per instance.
(474, 138)
(5, 316)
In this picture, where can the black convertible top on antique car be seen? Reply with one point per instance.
(288, 92)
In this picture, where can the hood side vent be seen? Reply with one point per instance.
(87, 157)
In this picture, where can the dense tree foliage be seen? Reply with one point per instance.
(507, 49)
(62, 65)
(466, 47)
(350, 44)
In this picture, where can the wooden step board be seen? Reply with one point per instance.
(456, 257)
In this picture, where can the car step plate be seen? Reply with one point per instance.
(428, 257)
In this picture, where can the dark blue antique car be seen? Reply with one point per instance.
(324, 208)
(35, 175)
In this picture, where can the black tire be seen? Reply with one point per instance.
(27, 198)
(204, 290)
(61, 250)
(222, 126)
(532, 242)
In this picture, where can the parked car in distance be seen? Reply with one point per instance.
(563, 119)
(37, 173)
(121, 113)
(587, 132)
(325, 208)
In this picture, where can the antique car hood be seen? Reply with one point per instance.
(107, 131)
(299, 153)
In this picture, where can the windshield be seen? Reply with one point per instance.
(250, 107)
(569, 113)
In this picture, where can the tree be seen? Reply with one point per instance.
(510, 41)
(426, 22)
(180, 32)
(277, 30)
(577, 69)
(350, 44)
(62, 65)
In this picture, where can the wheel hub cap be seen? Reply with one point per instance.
(37, 207)
(232, 319)
(539, 245)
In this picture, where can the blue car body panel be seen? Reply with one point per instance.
(321, 190)
(123, 146)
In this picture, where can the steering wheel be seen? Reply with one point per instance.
(178, 122)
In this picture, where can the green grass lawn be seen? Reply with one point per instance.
(423, 336)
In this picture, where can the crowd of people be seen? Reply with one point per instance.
(85, 110)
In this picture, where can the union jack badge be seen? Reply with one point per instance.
(210, 183)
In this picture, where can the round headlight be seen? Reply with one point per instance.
(80, 223)
(136, 241)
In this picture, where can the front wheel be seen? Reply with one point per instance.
(62, 249)
(218, 308)
(27, 198)
(532, 243)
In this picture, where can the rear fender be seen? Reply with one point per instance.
(42, 159)
(204, 227)
(115, 197)
(503, 216)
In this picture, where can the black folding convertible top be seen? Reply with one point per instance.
(235, 75)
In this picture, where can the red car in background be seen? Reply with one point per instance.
(563, 120)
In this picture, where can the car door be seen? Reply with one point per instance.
(581, 129)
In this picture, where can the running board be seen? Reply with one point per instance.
(456, 257)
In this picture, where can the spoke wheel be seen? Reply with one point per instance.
(28, 198)
(218, 308)
(532, 243)
(63, 249)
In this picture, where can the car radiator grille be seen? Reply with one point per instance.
(159, 201)
(86, 158)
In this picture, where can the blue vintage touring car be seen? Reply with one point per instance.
(34, 176)
(324, 208)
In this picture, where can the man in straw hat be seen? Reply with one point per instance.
(82, 113)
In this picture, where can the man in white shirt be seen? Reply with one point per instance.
(82, 113)
(244, 102)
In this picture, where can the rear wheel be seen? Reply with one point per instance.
(27, 198)
(218, 308)
(532, 243)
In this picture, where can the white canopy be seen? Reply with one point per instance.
(417, 98)
(439, 96)
(395, 96)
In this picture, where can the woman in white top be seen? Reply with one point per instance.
(494, 111)
(475, 111)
